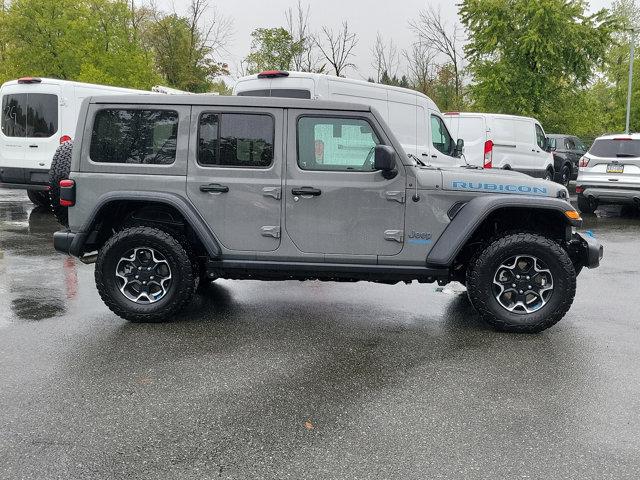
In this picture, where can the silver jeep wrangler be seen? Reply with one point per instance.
(167, 192)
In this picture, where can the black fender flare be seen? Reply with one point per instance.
(188, 211)
(469, 218)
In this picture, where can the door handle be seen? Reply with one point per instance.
(307, 191)
(214, 188)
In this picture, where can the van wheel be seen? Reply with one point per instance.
(587, 204)
(144, 275)
(60, 168)
(565, 176)
(522, 283)
(39, 198)
(548, 175)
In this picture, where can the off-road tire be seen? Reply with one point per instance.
(39, 198)
(586, 205)
(485, 263)
(183, 280)
(60, 168)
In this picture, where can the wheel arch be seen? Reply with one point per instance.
(114, 209)
(485, 216)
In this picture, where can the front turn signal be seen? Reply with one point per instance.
(573, 215)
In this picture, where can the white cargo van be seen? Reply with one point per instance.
(413, 117)
(38, 114)
(503, 141)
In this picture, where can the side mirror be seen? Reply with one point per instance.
(457, 152)
(385, 161)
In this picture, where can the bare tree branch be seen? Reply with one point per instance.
(338, 47)
(421, 66)
(433, 31)
(386, 58)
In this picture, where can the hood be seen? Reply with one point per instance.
(496, 181)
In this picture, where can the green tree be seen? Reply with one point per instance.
(524, 55)
(272, 48)
(186, 47)
(87, 40)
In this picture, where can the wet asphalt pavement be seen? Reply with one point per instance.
(311, 380)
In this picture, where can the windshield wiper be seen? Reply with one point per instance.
(418, 161)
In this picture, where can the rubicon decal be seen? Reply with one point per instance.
(499, 187)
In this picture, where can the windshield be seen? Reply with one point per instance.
(616, 148)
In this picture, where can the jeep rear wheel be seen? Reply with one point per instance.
(522, 283)
(144, 275)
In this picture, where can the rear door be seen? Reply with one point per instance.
(13, 142)
(336, 205)
(235, 175)
(472, 129)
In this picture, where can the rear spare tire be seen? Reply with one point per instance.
(60, 168)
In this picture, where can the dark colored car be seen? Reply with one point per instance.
(567, 151)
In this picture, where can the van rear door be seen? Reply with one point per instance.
(30, 124)
(473, 130)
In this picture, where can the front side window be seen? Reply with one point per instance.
(333, 143)
(144, 137)
(235, 140)
(580, 147)
(569, 144)
(440, 136)
(540, 136)
(32, 115)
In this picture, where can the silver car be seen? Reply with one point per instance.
(609, 173)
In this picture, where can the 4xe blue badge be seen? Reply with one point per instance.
(419, 238)
(498, 187)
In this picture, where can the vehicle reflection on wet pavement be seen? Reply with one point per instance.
(309, 379)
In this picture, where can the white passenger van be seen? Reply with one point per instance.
(413, 117)
(503, 141)
(38, 114)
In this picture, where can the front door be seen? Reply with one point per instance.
(336, 204)
(235, 175)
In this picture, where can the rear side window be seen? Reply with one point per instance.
(334, 143)
(145, 137)
(277, 92)
(621, 148)
(32, 115)
(235, 140)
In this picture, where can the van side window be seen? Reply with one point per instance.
(540, 136)
(145, 137)
(440, 136)
(235, 140)
(338, 144)
(33, 115)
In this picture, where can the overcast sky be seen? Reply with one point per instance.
(365, 17)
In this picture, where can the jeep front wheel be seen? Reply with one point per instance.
(522, 283)
(144, 275)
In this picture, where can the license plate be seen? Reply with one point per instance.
(615, 168)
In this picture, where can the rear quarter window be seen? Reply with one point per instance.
(134, 136)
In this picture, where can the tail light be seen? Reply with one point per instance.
(273, 74)
(488, 154)
(579, 189)
(584, 162)
(67, 193)
(28, 80)
(64, 138)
